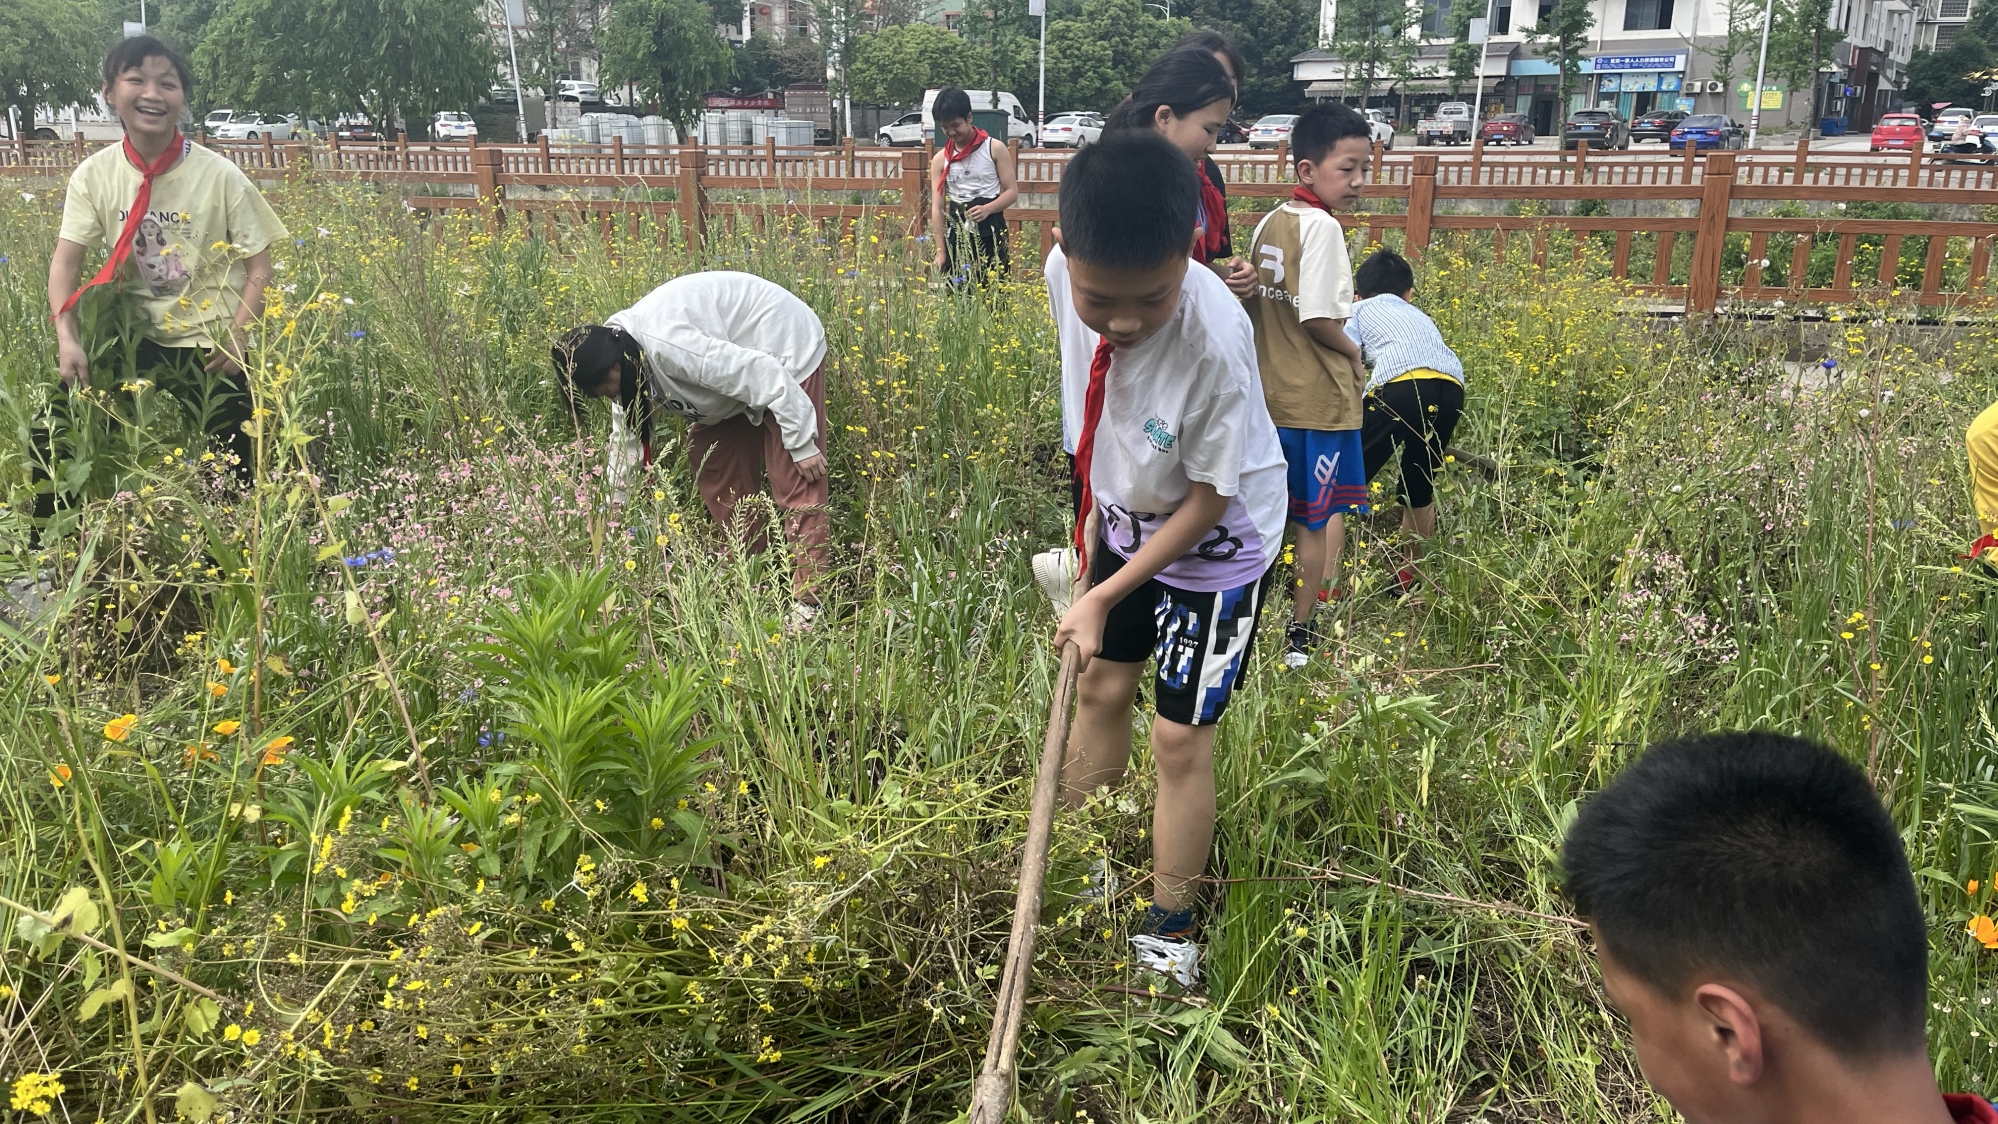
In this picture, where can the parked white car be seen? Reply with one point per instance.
(251, 125)
(905, 131)
(1380, 127)
(217, 118)
(1271, 130)
(1019, 126)
(453, 126)
(1072, 130)
(584, 93)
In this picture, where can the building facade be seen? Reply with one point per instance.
(1642, 55)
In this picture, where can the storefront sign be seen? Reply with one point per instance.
(1639, 62)
(716, 102)
(1772, 95)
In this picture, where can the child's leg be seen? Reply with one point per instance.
(805, 503)
(1099, 742)
(727, 459)
(1310, 565)
(1335, 549)
(1183, 818)
(1427, 418)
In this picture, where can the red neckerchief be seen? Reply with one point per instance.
(952, 153)
(1085, 445)
(1303, 194)
(1214, 208)
(1968, 1109)
(1988, 542)
(122, 249)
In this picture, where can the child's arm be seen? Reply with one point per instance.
(1332, 334)
(1009, 187)
(1197, 514)
(938, 232)
(229, 353)
(65, 269)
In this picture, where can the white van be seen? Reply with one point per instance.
(1019, 126)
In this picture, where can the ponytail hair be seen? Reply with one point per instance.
(1185, 81)
(583, 359)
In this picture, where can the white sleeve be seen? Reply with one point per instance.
(756, 378)
(1215, 433)
(1324, 270)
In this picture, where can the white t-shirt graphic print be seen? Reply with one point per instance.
(1185, 405)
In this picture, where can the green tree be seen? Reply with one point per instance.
(765, 64)
(1268, 33)
(1946, 75)
(1801, 41)
(1372, 38)
(48, 54)
(1740, 38)
(391, 60)
(670, 50)
(1096, 55)
(897, 64)
(1561, 36)
(1464, 55)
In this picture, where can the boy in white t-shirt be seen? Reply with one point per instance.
(1180, 461)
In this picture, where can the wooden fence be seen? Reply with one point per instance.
(1422, 195)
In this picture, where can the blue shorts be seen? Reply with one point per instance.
(1328, 474)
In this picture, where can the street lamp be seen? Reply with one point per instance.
(1165, 7)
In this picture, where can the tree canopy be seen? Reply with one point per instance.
(897, 64)
(670, 50)
(48, 54)
(388, 59)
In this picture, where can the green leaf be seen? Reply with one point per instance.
(178, 938)
(330, 550)
(96, 1000)
(201, 1017)
(357, 613)
(76, 913)
(193, 1103)
(338, 504)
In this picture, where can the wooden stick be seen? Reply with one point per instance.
(992, 1091)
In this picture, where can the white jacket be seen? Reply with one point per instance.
(721, 344)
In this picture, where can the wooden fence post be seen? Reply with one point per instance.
(270, 154)
(617, 153)
(1915, 166)
(487, 164)
(912, 191)
(1716, 195)
(76, 146)
(693, 164)
(1803, 153)
(1421, 204)
(21, 147)
(1581, 160)
(1477, 159)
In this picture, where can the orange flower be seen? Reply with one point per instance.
(218, 689)
(1984, 930)
(275, 751)
(117, 728)
(1970, 887)
(227, 727)
(59, 776)
(225, 667)
(197, 752)
(52, 680)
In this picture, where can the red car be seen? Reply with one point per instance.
(1509, 128)
(1902, 131)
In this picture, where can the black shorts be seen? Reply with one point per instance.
(1420, 415)
(985, 244)
(1201, 640)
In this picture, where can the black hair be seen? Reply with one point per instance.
(131, 52)
(1320, 129)
(1129, 201)
(1185, 81)
(1385, 272)
(951, 104)
(583, 358)
(1214, 43)
(1766, 858)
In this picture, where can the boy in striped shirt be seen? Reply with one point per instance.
(1415, 393)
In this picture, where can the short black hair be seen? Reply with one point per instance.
(1214, 43)
(1767, 858)
(1384, 272)
(1129, 201)
(951, 104)
(131, 52)
(1320, 129)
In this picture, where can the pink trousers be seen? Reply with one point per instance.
(730, 459)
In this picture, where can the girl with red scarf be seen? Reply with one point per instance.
(1187, 96)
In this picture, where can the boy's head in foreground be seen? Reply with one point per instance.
(1757, 923)
(1332, 145)
(146, 84)
(1384, 272)
(1129, 206)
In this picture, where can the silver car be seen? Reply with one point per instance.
(1271, 130)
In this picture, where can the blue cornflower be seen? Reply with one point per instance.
(356, 334)
(491, 738)
(468, 694)
(1829, 363)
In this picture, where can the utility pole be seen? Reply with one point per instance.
(1761, 66)
(1478, 76)
(509, 10)
(1040, 8)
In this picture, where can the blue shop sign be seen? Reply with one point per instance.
(1620, 63)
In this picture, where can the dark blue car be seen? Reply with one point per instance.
(1707, 130)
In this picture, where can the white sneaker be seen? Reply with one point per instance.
(801, 618)
(1102, 885)
(1168, 956)
(1054, 572)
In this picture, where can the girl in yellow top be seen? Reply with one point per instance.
(194, 257)
(1983, 442)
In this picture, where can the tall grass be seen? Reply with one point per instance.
(569, 828)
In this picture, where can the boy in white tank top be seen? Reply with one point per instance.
(972, 181)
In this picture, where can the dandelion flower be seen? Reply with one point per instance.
(251, 1036)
